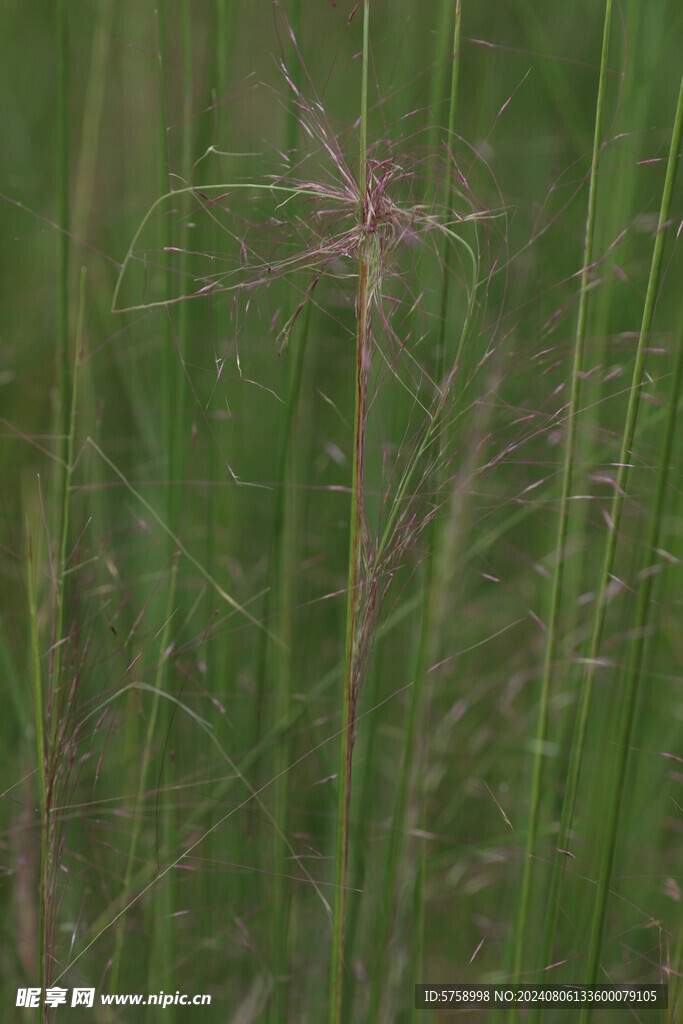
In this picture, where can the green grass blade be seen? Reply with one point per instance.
(631, 685)
(560, 553)
(354, 579)
(284, 539)
(92, 118)
(41, 756)
(62, 363)
(611, 542)
(428, 642)
(66, 499)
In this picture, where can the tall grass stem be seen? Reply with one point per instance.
(62, 362)
(350, 657)
(62, 41)
(41, 756)
(66, 496)
(433, 579)
(563, 520)
(583, 711)
(631, 685)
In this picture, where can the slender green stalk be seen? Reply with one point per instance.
(284, 537)
(142, 785)
(644, 597)
(417, 957)
(215, 655)
(276, 656)
(173, 420)
(438, 89)
(222, 52)
(612, 535)
(398, 827)
(47, 746)
(180, 386)
(177, 448)
(354, 577)
(62, 40)
(362, 158)
(619, 198)
(92, 117)
(84, 193)
(41, 757)
(66, 496)
(448, 249)
(579, 571)
(175, 385)
(433, 587)
(294, 10)
(366, 775)
(168, 354)
(631, 686)
(560, 552)
(62, 362)
(350, 662)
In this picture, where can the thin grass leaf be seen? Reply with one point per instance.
(632, 681)
(619, 494)
(428, 642)
(351, 642)
(41, 755)
(560, 552)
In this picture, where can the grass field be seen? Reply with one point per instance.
(341, 505)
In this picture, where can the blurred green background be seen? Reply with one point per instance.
(189, 407)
